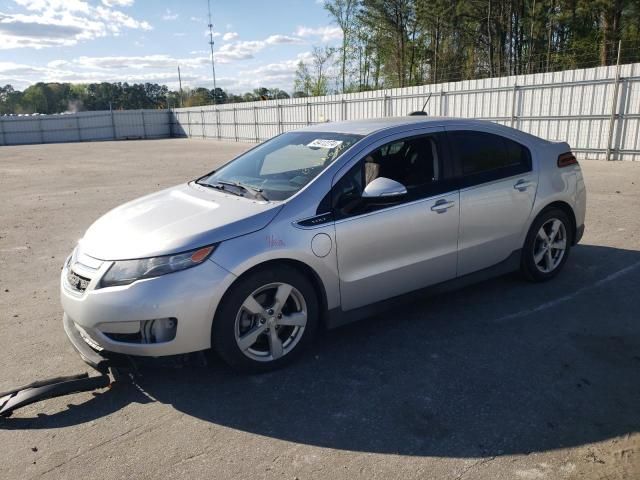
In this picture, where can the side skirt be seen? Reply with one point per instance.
(337, 317)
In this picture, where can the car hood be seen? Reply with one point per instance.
(174, 220)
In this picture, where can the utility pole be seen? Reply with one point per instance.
(180, 83)
(213, 66)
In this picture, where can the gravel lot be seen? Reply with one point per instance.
(502, 380)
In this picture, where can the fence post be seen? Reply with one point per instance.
(144, 127)
(202, 123)
(4, 139)
(614, 106)
(218, 123)
(113, 125)
(443, 103)
(170, 121)
(41, 131)
(279, 116)
(343, 113)
(255, 123)
(385, 107)
(189, 123)
(235, 124)
(78, 127)
(514, 94)
(308, 113)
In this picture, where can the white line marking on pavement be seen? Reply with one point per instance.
(553, 303)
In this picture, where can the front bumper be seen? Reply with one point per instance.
(190, 296)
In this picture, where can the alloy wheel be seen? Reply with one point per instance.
(271, 322)
(550, 245)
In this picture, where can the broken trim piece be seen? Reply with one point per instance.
(54, 387)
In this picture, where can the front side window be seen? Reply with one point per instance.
(414, 162)
(280, 167)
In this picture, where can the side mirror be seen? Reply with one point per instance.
(383, 187)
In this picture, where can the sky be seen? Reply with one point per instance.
(257, 43)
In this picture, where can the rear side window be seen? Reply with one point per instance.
(484, 157)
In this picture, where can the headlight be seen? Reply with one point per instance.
(128, 271)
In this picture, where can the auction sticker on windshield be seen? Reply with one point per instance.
(321, 143)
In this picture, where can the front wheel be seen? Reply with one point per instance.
(547, 245)
(266, 319)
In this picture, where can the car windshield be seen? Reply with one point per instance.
(280, 167)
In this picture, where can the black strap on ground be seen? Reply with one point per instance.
(53, 387)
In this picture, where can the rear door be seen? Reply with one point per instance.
(388, 249)
(497, 191)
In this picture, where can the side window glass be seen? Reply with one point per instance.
(485, 156)
(415, 162)
(518, 154)
(347, 192)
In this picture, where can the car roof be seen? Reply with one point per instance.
(372, 125)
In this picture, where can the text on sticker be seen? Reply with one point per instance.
(321, 143)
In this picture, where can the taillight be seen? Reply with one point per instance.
(566, 159)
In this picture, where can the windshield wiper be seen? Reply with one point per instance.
(255, 192)
(217, 186)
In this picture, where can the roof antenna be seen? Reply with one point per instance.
(422, 112)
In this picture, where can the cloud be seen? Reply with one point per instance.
(326, 34)
(245, 50)
(138, 62)
(281, 39)
(154, 69)
(170, 15)
(272, 75)
(118, 3)
(230, 36)
(150, 68)
(58, 23)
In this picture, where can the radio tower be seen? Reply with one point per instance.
(213, 66)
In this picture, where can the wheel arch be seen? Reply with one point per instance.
(302, 267)
(566, 208)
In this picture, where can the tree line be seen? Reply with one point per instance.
(399, 43)
(48, 98)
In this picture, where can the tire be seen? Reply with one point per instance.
(246, 333)
(536, 264)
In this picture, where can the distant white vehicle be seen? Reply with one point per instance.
(317, 227)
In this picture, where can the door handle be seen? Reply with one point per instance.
(522, 185)
(442, 206)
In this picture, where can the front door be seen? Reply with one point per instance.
(387, 249)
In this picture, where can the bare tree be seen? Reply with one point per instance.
(344, 14)
(322, 57)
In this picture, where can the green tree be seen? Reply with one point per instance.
(302, 82)
(34, 99)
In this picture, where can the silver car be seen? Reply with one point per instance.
(319, 227)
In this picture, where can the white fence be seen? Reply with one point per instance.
(85, 126)
(596, 110)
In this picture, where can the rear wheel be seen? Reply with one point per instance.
(266, 319)
(547, 245)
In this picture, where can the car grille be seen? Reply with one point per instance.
(77, 282)
(81, 269)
